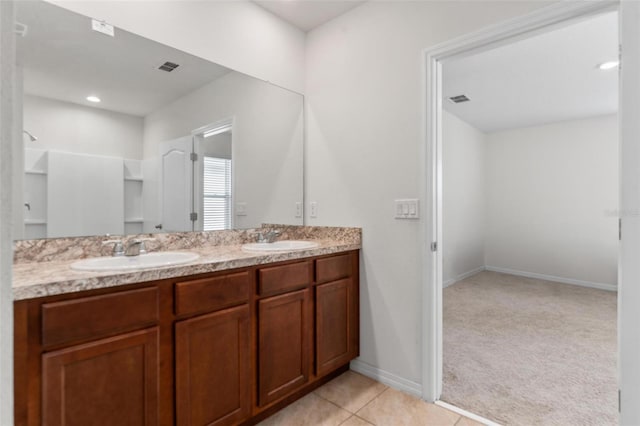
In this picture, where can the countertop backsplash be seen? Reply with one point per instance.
(62, 249)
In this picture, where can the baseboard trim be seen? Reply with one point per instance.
(387, 378)
(463, 276)
(466, 413)
(590, 284)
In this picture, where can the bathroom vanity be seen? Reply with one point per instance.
(226, 347)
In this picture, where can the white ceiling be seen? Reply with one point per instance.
(547, 78)
(308, 14)
(64, 59)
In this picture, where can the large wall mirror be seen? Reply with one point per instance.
(123, 135)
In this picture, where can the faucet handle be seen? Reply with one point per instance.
(118, 247)
(143, 248)
(140, 242)
(268, 236)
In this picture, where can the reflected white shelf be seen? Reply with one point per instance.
(134, 220)
(35, 222)
(133, 179)
(35, 172)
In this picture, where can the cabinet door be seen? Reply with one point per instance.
(336, 325)
(283, 351)
(212, 368)
(112, 381)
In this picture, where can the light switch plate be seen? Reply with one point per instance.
(407, 209)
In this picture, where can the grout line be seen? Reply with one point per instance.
(333, 403)
(366, 421)
(346, 420)
(345, 408)
(377, 395)
(357, 417)
(373, 399)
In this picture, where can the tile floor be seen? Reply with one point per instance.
(355, 400)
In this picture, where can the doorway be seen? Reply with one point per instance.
(196, 180)
(543, 20)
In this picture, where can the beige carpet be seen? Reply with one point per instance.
(522, 351)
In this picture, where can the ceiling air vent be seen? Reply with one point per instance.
(168, 66)
(459, 99)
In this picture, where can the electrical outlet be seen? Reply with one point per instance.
(313, 209)
(299, 211)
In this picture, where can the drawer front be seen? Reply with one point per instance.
(279, 279)
(98, 316)
(333, 268)
(211, 294)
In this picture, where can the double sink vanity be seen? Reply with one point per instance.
(227, 332)
(198, 327)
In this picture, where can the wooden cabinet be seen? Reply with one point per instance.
(113, 381)
(337, 311)
(212, 368)
(223, 348)
(336, 322)
(283, 345)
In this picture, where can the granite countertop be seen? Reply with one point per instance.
(39, 279)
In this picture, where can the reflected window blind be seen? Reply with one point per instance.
(216, 194)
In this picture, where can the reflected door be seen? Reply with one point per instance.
(176, 184)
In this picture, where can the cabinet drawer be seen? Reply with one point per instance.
(333, 268)
(98, 316)
(211, 294)
(279, 279)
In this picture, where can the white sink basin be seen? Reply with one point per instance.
(123, 263)
(284, 245)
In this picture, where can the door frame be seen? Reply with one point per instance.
(539, 21)
(220, 126)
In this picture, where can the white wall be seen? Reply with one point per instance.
(9, 140)
(464, 198)
(552, 200)
(9, 134)
(267, 141)
(69, 127)
(236, 34)
(364, 92)
(17, 178)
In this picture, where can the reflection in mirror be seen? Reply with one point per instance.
(125, 135)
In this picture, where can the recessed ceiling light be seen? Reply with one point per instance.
(609, 65)
(93, 98)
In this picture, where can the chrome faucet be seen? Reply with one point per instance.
(135, 248)
(118, 248)
(268, 236)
